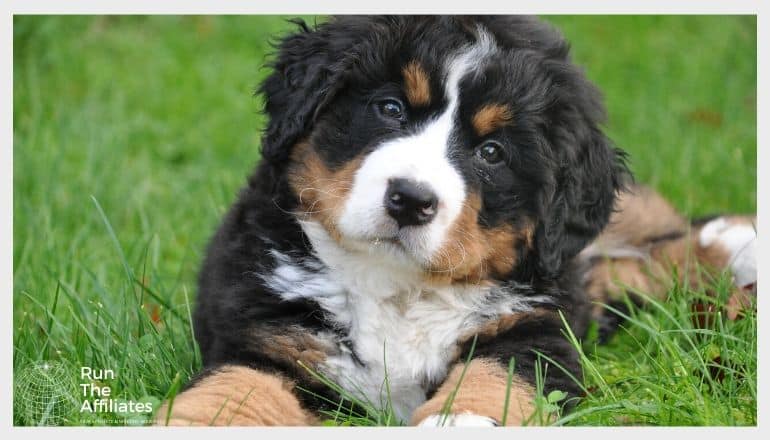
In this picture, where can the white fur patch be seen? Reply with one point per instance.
(398, 326)
(740, 240)
(464, 419)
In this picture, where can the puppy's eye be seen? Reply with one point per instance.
(392, 108)
(490, 152)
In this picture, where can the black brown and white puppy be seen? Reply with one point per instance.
(425, 182)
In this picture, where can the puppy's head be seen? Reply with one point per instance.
(468, 148)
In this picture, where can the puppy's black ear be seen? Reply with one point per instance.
(577, 202)
(585, 170)
(307, 73)
(578, 206)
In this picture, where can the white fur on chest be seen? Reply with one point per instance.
(396, 324)
(408, 340)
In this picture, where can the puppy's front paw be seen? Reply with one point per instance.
(464, 419)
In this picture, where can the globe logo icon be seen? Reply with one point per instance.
(44, 394)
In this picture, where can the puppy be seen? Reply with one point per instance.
(431, 191)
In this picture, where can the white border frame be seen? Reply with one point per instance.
(10, 7)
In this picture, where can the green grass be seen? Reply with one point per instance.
(133, 134)
(663, 369)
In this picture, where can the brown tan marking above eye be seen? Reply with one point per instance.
(490, 118)
(416, 84)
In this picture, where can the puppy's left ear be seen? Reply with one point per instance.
(576, 205)
(307, 73)
(585, 171)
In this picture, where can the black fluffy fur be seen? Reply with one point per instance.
(564, 173)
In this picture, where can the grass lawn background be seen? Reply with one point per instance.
(133, 134)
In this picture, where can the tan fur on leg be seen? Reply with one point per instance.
(482, 392)
(653, 273)
(646, 243)
(640, 215)
(237, 396)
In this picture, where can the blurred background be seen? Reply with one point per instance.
(132, 135)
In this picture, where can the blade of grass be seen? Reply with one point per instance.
(509, 382)
(450, 399)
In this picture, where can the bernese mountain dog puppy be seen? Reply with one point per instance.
(428, 206)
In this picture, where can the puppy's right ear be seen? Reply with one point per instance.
(307, 73)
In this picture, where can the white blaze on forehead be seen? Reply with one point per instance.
(421, 157)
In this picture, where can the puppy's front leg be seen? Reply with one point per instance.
(238, 396)
(480, 398)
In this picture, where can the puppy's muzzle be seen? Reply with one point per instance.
(410, 203)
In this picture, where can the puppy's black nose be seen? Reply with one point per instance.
(410, 203)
